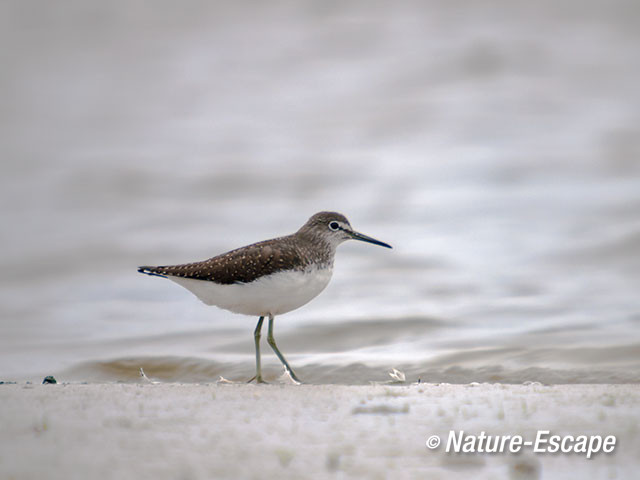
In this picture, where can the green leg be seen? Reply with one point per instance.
(256, 338)
(272, 342)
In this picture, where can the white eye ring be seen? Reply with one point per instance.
(334, 226)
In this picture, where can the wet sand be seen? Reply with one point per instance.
(493, 144)
(203, 431)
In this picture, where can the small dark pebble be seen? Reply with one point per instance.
(49, 379)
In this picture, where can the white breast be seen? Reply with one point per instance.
(273, 294)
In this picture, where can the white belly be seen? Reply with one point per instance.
(273, 294)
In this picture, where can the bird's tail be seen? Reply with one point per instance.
(153, 271)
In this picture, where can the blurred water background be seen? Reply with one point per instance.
(495, 145)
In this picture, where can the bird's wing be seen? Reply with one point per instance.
(243, 265)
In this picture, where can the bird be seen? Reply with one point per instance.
(268, 278)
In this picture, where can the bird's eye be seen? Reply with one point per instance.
(334, 226)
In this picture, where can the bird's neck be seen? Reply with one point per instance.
(319, 250)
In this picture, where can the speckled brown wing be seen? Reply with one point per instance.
(243, 265)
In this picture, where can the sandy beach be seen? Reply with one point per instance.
(204, 431)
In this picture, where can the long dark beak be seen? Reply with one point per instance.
(364, 238)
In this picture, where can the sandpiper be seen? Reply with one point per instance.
(268, 278)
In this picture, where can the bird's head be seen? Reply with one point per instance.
(334, 228)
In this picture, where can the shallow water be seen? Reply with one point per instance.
(495, 146)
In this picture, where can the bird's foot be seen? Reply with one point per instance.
(288, 373)
(257, 379)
